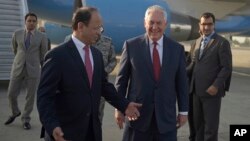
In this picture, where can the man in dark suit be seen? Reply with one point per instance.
(73, 80)
(210, 70)
(152, 72)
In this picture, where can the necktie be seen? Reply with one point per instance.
(27, 40)
(203, 45)
(156, 62)
(88, 65)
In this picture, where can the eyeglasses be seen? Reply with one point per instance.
(208, 24)
(99, 28)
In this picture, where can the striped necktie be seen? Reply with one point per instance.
(202, 47)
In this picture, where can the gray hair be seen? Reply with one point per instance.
(155, 8)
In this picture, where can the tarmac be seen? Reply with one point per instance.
(234, 110)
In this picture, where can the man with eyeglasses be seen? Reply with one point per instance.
(210, 74)
(105, 45)
(72, 82)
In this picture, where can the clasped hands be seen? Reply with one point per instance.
(131, 113)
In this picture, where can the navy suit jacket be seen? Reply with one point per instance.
(135, 80)
(65, 98)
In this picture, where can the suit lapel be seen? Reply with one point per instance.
(165, 56)
(197, 48)
(78, 60)
(208, 46)
(95, 64)
(34, 38)
(147, 55)
(22, 36)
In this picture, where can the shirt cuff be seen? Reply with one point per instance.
(183, 113)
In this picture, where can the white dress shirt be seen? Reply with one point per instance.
(159, 47)
(80, 47)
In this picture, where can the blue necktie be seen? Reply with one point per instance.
(27, 40)
(203, 45)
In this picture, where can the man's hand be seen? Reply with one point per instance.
(132, 111)
(119, 118)
(212, 90)
(181, 120)
(58, 134)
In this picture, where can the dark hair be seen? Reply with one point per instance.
(30, 14)
(208, 15)
(82, 14)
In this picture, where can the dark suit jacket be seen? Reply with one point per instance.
(213, 68)
(135, 80)
(65, 98)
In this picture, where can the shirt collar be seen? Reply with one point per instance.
(209, 36)
(79, 44)
(159, 42)
(32, 31)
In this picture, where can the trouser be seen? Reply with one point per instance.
(152, 134)
(90, 134)
(47, 137)
(14, 90)
(191, 119)
(206, 117)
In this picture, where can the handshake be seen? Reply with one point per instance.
(132, 113)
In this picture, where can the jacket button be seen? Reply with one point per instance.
(88, 114)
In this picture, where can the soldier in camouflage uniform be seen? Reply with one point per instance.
(107, 48)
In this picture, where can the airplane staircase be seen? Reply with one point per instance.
(11, 19)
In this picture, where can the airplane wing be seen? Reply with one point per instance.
(221, 8)
(232, 16)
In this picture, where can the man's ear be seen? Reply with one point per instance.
(81, 26)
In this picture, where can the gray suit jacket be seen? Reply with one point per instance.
(31, 58)
(213, 68)
(135, 80)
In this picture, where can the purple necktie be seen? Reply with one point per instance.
(27, 40)
(88, 65)
(156, 62)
